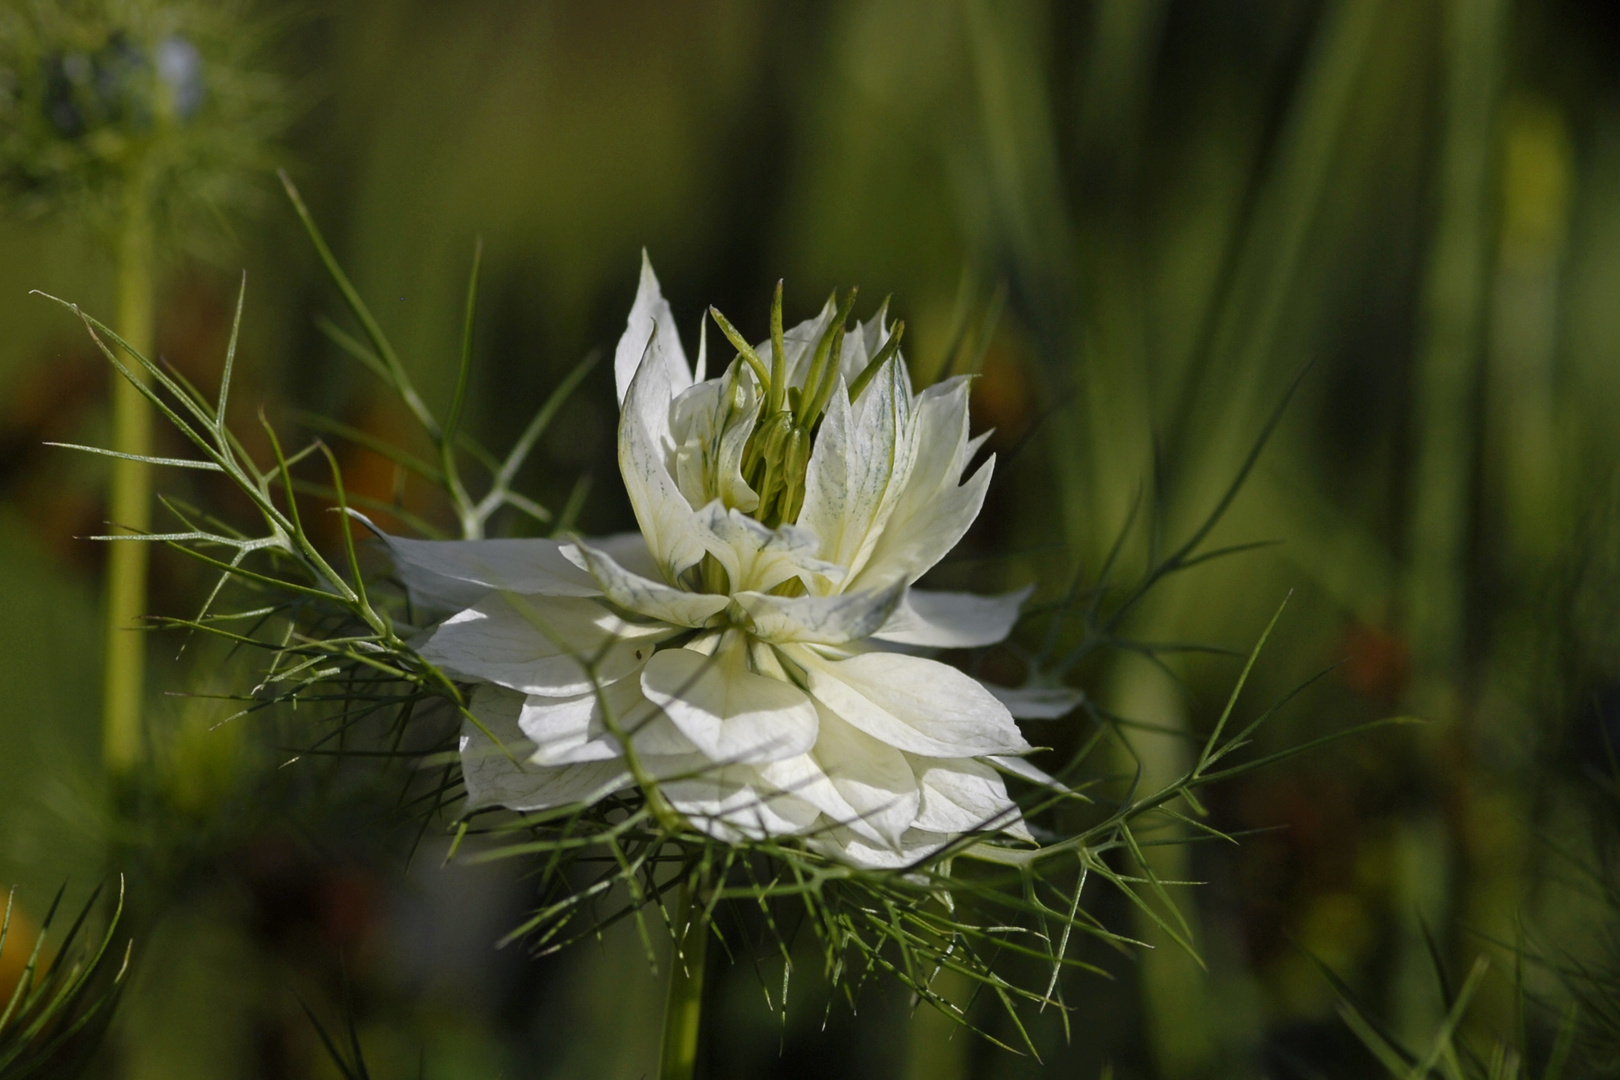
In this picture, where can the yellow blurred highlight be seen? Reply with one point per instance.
(1338, 930)
(21, 934)
(199, 752)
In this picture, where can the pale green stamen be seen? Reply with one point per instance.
(822, 378)
(777, 454)
(778, 355)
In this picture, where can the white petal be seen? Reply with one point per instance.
(665, 517)
(756, 558)
(915, 704)
(710, 425)
(1038, 702)
(742, 412)
(453, 574)
(701, 370)
(859, 468)
(960, 795)
(495, 779)
(541, 645)
(853, 779)
(644, 596)
(574, 729)
(629, 550)
(734, 802)
(953, 620)
(863, 343)
(847, 845)
(827, 620)
(693, 417)
(731, 713)
(1021, 768)
(933, 511)
(650, 312)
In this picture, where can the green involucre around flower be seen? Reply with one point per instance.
(757, 649)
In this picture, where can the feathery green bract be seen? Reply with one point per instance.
(336, 638)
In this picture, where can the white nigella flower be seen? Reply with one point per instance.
(755, 648)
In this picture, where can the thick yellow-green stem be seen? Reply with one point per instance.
(129, 501)
(1175, 989)
(1446, 396)
(683, 1008)
(1449, 360)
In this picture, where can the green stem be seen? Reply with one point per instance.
(683, 1007)
(129, 501)
(1448, 374)
(1449, 359)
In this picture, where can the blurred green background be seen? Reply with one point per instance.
(1183, 205)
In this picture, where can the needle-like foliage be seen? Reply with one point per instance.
(335, 632)
(63, 1002)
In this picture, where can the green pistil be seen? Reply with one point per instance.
(889, 349)
(712, 577)
(743, 348)
(758, 446)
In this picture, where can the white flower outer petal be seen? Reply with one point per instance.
(731, 713)
(454, 574)
(847, 845)
(853, 779)
(541, 644)
(733, 803)
(918, 705)
(1021, 768)
(574, 729)
(1038, 702)
(952, 620)
(648, 313)
(665, 517)
(960, 795)
(494, 779)
(629, 550)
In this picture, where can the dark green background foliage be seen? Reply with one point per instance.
(1176, 207)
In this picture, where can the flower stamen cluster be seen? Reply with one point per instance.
(778, 450)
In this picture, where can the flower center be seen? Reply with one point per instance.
(778, 449)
